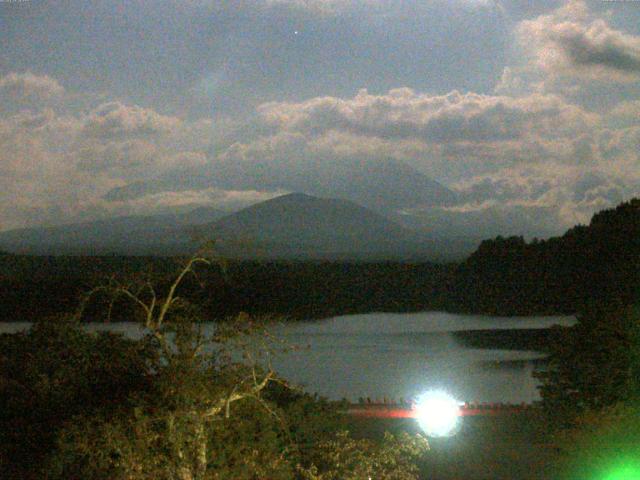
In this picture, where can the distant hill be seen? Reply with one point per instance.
(303, 226)
(293, 226)
(384, 186)
(598, 263)
(131, 235)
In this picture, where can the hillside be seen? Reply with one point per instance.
(130, 235)
(505, 276)
(293, 226)
(302, 226)
(588, 264)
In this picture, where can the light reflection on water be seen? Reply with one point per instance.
(397, 355)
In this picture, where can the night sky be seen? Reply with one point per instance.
(521, 110)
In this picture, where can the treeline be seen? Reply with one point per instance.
(35, 287)
(595, 264)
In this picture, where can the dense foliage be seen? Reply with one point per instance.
(591, 394)
(35, 286)
(176, 404)
(599, 263)
(602, 443)
(594, 364)
(52, 374)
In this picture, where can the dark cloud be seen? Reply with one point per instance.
(601, 46)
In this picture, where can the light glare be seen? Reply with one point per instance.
(437, 413)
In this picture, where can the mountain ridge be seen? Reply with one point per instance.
(295, 226)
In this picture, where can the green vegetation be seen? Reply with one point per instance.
(594, 364)
(176, 404)
(53, 373)
(591, 394)
(603, 444)
(590, 386)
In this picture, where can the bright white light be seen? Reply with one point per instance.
(437, 413)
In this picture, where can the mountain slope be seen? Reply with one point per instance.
(299, 225)
(133, 235)
(384, 185)
(293, 226)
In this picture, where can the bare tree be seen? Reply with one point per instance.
(202, 367)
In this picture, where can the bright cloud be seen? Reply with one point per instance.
(570, 42)
(553, 142)
(20, 87)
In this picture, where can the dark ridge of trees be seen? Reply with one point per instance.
(33, 287)
(599, 263)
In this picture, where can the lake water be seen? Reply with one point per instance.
(398, 356)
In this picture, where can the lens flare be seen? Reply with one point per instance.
(438, 413)
(630, 471)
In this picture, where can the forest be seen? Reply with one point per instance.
(597, 263)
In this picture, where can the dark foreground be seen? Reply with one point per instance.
(509, 447)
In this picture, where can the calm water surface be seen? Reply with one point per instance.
(398, 355)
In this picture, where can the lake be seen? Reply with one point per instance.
(398, 356)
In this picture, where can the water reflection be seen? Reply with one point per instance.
(397, 356)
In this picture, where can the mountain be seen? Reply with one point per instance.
(132, 235)
(303, 226)
(385, 185)
(293, 226)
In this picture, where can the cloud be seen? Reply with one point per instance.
(570, 194)
(118, 158)
(488, 140)
(24, 87)
(189, 199)
(628, 112)
(570, 42)
(454, 117)
(507, 154)
(117, 120)
(56, 163)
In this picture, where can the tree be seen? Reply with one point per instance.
(602, 443)
(195, 381)
(345, 458)
(592, 365)
(56, 371)
(187, 408)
